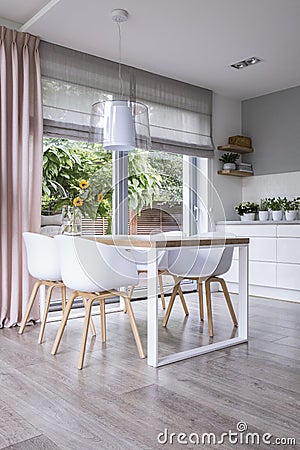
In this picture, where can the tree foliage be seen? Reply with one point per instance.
(66, 163)
(169, 166)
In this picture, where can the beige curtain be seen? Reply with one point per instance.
(21, 166)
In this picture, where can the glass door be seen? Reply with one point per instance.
(155, 192)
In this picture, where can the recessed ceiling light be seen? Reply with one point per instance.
(239, 65)
(246, 62)
(252, 60)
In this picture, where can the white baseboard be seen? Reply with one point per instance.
(268, 292)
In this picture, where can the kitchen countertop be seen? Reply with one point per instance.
(258, 222)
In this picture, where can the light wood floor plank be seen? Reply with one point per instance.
(36, 443)
(118, 402)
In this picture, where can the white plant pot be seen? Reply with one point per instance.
(248, 217)
(229, 166)
(263, 216)
(290, 215)
(277, 215)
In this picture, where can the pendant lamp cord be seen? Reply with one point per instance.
(121, 87)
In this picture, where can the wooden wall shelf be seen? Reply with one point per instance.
(235, 148)
(235, 173)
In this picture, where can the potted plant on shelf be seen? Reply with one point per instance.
(263, 212)
(275, 205)
(290, 207)
(247, 210)
(229, 160)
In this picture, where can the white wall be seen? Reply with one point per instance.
(274, 185)
(226, 191)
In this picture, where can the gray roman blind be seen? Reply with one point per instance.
(180, 114)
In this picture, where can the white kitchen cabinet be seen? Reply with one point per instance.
(260, 273)
(288, 250)
(288, 276)
(274, 258)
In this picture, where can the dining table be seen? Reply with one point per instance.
(155, 244)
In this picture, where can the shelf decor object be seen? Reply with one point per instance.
(238, 144)
(120, 124)
(241, 141)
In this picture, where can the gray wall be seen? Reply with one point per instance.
(273, 123)
(226, 192)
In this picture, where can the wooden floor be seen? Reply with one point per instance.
(118, 402)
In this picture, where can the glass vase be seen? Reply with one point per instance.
(71, 221)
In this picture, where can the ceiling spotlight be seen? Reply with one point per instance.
(239, 65)
(246, 62)
(252, 60)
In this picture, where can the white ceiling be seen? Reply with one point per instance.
(192, 40)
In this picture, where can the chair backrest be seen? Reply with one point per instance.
(226, 259)
(225, 262)
(42, 257)
(164, 262)
(92, 267)
(201, 262)
(141, 256)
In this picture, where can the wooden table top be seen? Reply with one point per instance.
(160, 241)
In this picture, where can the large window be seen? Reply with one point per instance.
(158, 187)
(155, 186)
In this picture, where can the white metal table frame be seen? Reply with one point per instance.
(154, 244)
(152, 304)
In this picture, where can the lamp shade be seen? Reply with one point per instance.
(120, 125)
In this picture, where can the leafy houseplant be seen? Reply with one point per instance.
(247, 210)
(263, 213)
(264, 204)
(290, 207)
(229, 160)
(276, 205)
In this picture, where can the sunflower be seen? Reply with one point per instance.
(84, 184)
(100, 198)
(77, 201)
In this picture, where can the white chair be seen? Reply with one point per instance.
(203, 265)
(141, 259)
(95, 271)
(43, 264)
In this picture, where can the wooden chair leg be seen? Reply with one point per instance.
(63, 322)
(182, 299)
(103, 319)
(209, 310)
(228, 301)
(161, 288)
(129, 296)
(170, 305)
(200, 296)
(87, 320)
(134, 328)
(92, 326)
(34, 291)
(181, 296)
(63, 297)
(47, 304)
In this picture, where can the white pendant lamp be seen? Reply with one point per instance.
(120, 125)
